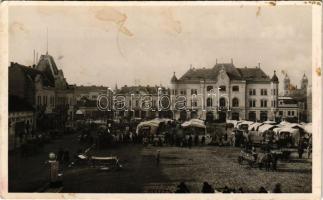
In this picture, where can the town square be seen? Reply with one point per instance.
(107, 100)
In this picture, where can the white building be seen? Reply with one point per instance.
(225, 92)
(288, 108)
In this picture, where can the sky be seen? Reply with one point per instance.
(105, 45)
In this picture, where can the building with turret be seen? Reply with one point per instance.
(225, 92)
(293, 104)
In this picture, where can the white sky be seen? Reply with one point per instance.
(109, 45)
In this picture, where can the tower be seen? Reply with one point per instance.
(274, 95)
(304, 82)
(286, 85)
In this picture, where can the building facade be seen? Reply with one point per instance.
(45, 88)
(226, 92)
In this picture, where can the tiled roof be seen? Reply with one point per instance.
(253, 74)
(32, 72)
(17, 104)
(248, 74)
(153, 90)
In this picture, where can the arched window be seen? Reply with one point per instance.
(235, 102)
(209, 102)
(222, 102)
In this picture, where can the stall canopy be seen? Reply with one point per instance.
(154, 124)
(254, 126)
(79, 112)
(269, 122)
(194, 123)
(234, 122)
(308, 128)
(266, 127)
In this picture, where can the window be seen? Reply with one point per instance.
(222, 102)
(194, 103)
(209, 102)
(193, 91)
(222, 88)
(235, 102)
(288, 113)
(273, 103)
(209, 88)
(252, 92)
(45, 100)
(263, 103)
(274, 91)
(235, 88)
(38, 100)
(293, 113)
(281, 113)
(263, 92)
(183, 92)
(252, 103)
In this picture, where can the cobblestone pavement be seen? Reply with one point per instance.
(216, 165)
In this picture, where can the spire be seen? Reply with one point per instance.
(116, 87)
(274, 79)
(174, 78)
(231, 61)
(259, 65)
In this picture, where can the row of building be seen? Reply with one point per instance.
(40, 98)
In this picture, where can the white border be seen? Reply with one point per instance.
(316, 91)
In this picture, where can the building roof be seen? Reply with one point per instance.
(274, 79)
(152, 90)
(253, 74)
(17, 104)
(91, 88)
(33, 72)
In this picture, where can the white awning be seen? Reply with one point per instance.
(308, 128)
(254, 126)
(194, 123)
(79, 112)
(266, 127)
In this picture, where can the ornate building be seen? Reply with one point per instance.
(45, 88)
(226, 92)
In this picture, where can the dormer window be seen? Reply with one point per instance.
(222, 88)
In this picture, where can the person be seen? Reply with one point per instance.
(226, 189)
(240, 190)
(203, 140)
(207, 188)
(60, 154)
(277, 188)
(262, 190)
(300, 149)
(309, 149)
(190, 141)
(158, 157)
(196, 140)
(182, 188)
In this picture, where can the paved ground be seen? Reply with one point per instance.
(27, 174)
(217, 165)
